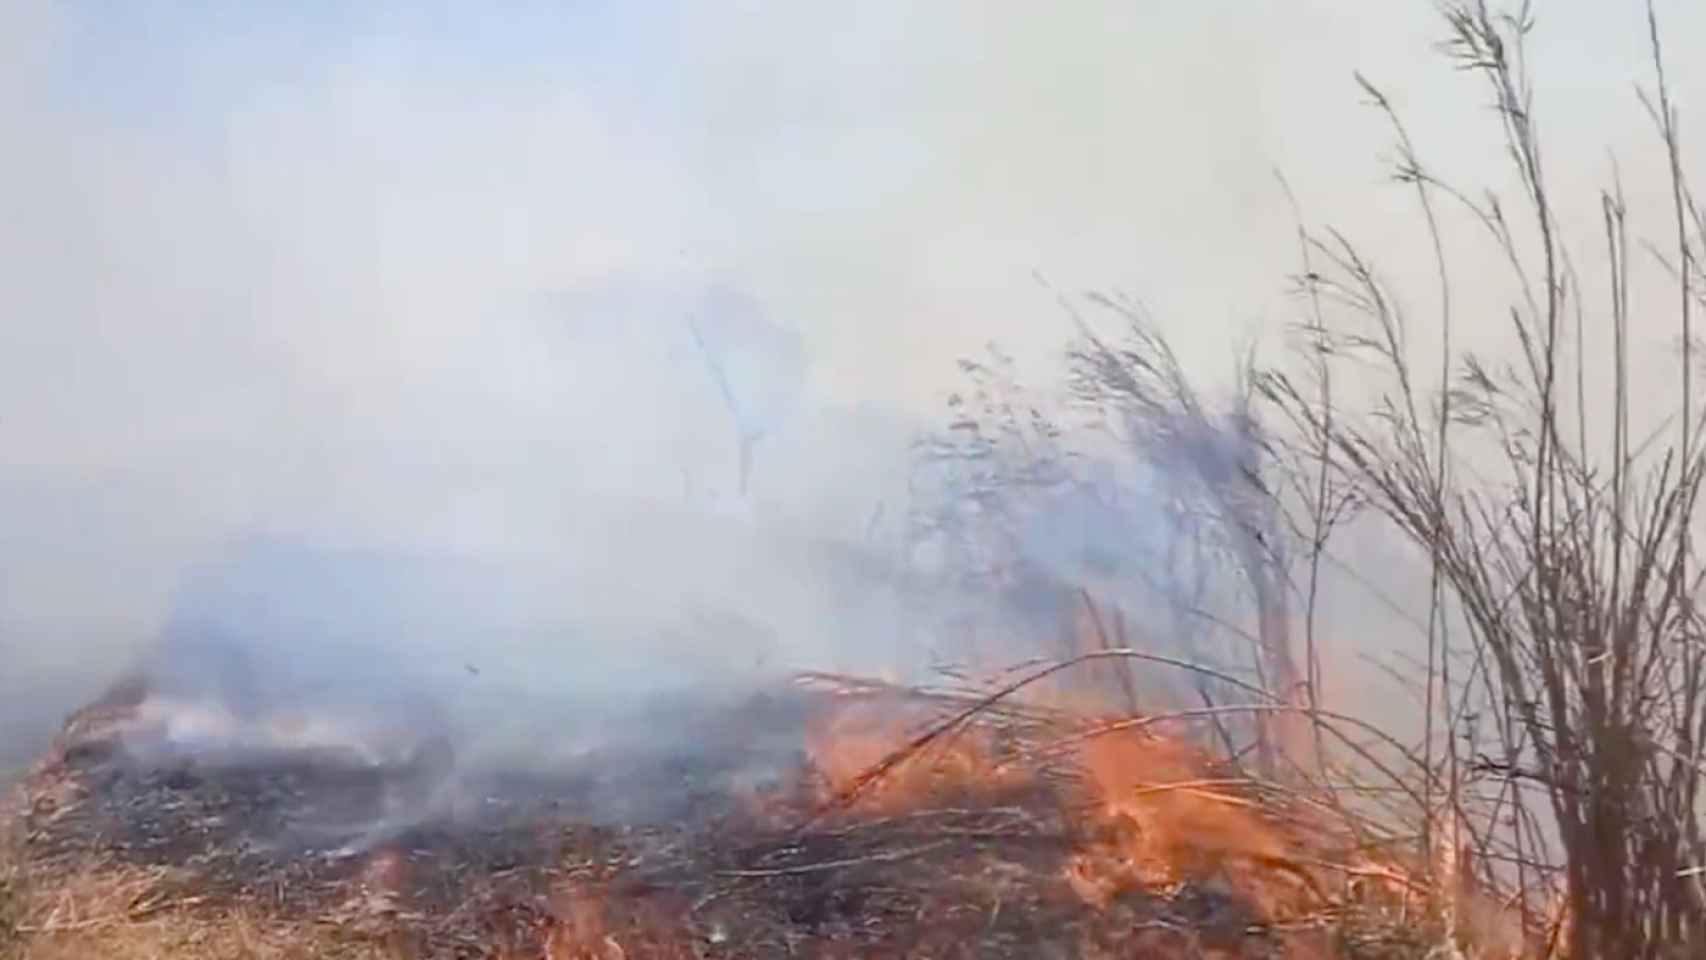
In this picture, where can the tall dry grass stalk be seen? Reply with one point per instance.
(1573, 577)
(1564, 698)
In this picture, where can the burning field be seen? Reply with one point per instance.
(882, 822)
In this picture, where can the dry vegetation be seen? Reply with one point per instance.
(1563, 684)
(1567, 766)
(953, 823)
(1551, 806)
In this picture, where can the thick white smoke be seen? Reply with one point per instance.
(412, 282)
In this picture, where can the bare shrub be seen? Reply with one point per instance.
(1565, 687)
(1573, 577)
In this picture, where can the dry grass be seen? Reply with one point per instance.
(103, 927)
(1571, 588)
(1019, 832)
(1561, 766)
(118, 910)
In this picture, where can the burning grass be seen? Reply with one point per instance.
(909, 824)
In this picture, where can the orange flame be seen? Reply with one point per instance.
(846, 745)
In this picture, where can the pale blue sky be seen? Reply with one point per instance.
(200, 61)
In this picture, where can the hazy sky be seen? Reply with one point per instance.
(418, 274)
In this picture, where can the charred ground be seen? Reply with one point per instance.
(863, 838)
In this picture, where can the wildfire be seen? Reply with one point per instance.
(1166, 817)
(912, 825)
(848, 744)
(1150, 812)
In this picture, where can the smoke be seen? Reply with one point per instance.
(350, 357)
